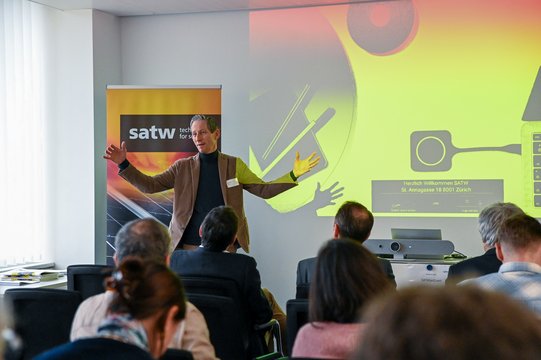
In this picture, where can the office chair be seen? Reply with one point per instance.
(208, 291)
(297, 316)
(42, 317)
(87, 279)
(220, 312)
(303, 290)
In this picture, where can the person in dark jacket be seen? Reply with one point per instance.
(353, 221)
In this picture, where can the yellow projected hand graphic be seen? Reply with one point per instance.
(302, 166)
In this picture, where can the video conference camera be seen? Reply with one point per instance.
(410, 248)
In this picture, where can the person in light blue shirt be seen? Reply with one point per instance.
(519, 249)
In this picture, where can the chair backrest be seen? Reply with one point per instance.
(42, 317)
(177, 354)
(87, 279)
(221, 314)
(210, 285)
(220, 287)
(297, 316)
(252, 340)
(303, 290)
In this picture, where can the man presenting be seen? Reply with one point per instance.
(204, 181)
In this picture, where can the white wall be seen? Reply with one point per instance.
(83, 55)
(72, 142)
(199, 49)
(107, 71)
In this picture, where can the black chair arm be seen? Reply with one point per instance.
(273, 326)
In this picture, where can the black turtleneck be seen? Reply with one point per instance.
(209, 195)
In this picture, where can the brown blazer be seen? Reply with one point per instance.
(183, 177)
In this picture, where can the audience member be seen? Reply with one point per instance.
(148, 240)
(218, 231)
(346, 277)
(519, 248)
(490, 220)
(449, 323)
(354, 221)
(146, 310)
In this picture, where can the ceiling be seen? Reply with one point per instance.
(162, 7)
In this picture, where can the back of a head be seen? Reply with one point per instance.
(219, 228)
(354, 221)
(145, 238)
(520, 232)
(492, 217)
(426, 323)
(346, 277)
(146, 288)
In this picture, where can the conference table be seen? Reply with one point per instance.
(410, 272)
(60, 283)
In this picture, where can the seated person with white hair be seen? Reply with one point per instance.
(490, 220)
(519, 249)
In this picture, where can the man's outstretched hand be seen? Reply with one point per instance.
(116, 154)
(302, 166)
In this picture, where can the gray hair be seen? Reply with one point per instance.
(144, 238)
(491, 219)
(211, 123)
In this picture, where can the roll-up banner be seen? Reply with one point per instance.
(154, 122)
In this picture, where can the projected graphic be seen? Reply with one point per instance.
(302, 93)
(384, 30)
(296, 133)
(531, 139)
(434, 150)
(419, 107)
